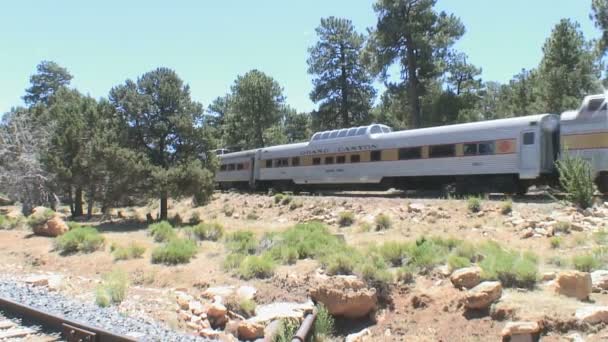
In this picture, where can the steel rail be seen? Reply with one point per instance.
(304, 330)
(72, 331)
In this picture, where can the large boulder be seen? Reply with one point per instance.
(573, 284)
(599, 280)
(483, 295)
(248, 330)
(5, 200)
(467, 277)
(592, 314)
(217, 314)
(521, 331)
(267, 313)
(53, 227)
(345, 296)
(361, 336)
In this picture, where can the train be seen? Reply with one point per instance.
(504, 155)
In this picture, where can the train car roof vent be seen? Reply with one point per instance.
(350, 132)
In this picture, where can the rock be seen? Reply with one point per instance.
(248, 330)
(345, 296)
(521, 331)
(37, 280)
(217, 315)
(527, 233)
(501, 311)
(592, 314)
(547, 276)
(599, 280)
(209, 333)
(362, 336)
(483, 295)
(53, 227)
(183, 300)
(573, 284)
(264, 314)
(271, 330)
(246, 292)
(421, 301)
(467, 277)
(196, 307)
(222, 291)
(415, 207)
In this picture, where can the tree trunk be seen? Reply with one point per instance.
(78, 202)
(344, 89)
(413, 85)
(71, 201)
(163, 206)
(90, 202)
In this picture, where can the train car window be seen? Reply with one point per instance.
(230, 167)
(317, 136)
(329, 160)
(361, 130)
(385, 129)
(340, 159)
(355, 158)
(439, 151)
(594, 105)
(223, 167)
(325, 135)
(470, 149)
(529, 138)
(486, 148)
(410, 153)
(269, 163)
(316, 161)
(333, 134)
(239, 166)
(283, 162)
(342, 133)
(376, 156)
(295, 161)
(375, 129)
(352, 132)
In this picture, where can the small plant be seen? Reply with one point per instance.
(112, 289)
(557, 260)
(513, 269)
(286, 330)
(161, 231)
(247, 307)
(40, 217)
(286, 200)
(208, 231)
(132, 251)
(9, 223)
(426, 254)
(365, 227)
(324, 324)
(84, 239)
(562, 227)
(295, 205)
(455, 262)
(228, 210)
(393, 252)
(576, 178)
(257, 266)
(474, 204)
(507, 207)
(195, 218)
(585, 262)
(243, 242)
(374, 273)
(339, 263)
(556, 242)
(405, 274)
(252, 216)
(278, 198)
(600, 237)
(383, 222)
(346, 218)
(176, 251)
(73, 225)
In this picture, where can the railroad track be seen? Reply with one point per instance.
(14, 329)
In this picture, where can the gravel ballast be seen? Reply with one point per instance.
(106, 318)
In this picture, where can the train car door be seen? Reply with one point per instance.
(252, 172)
(529, 158)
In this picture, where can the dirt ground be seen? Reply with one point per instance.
(439, 318)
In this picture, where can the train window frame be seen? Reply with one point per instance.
(442, 151)
(333, 134)
(282, 162)
(325, 135)
(295, 161)
(316, 161)
(526, 138)
(404, 153)
(328, 160)
(316, 136)
(355, 158)
(341, 160)
(269, 163)
(231, 167)
(240, 166)
(352, 132)
(375, 156)
(342, 133)
(490, 151)
(361, 130)
(467, 152)
(375, 129)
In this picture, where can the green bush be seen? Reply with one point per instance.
(113, 288)
(176, 251)
(161, 231)
(383, 222)
(393, 252)
(208, 231)
(84, 239)
(346, 218)
(233, 261)
(455, 262)
(8, 223)
(600, 237)
(295, 205)
(324, 324)
(73, 225)
(310, 240)
(257, 266)
(285, 254)
(286, 200)
(39, 218)
(562, 227)
(426, 254)
(252, 216)
(286, 330)
(339, 263)
(556, 242)
(278, 198)
(558, 261)
(195, 219)
(585, 262)
(474, 204)
(513, 269)
(506, 207)
(247, 307)
(374, 273)
(405, 274)
(132, 251)
(228, 210)
(466, 250)
(576, 178)
(243, 242)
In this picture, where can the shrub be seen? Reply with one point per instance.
(474, 204)
(365, 227)
(324, 324)
(176, 251)
(405, 274)
(557, 260)
(195, 219)
(286, 330)
(374, 273)
(585, 262)
(339, 263)
(8, 223)
(228, 210)
(132, 251)
(257, 266)
(243, 242)
(112, 289)
(39, 218)
(600, 237)
(208, 231)
(346, 218)
(426, 254)
(84, 239)
(278, 198)
(513, 269)
(310, 240)
(295, 205)
(393, 252)
(161, 231)
(233, 261)
(556, 242)
(466, 250)
(455, 262)
(506, 207)
(285, 254)
(382, 222)
(562, 227)
(286, 200)
(576, 178)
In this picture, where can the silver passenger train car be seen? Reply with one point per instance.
(506, 155)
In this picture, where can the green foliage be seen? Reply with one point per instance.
(393, 252)
(233, 261)
(455, 262)
(132, 251)
(339, 263)
(474, 204)
(286, 330)
(374, 272)
(576, 177)
(9, 223)
(556, 242)
(324, 324)
(513, 269)
(586, 262)
(228, 210)
(257, 266)
(426, 254)
(49, 78)
(405, 274)
(506, 207)
(310, 240)
(286, 200)
(295, 205)
(562, 227)
(243, 242)
(285, 254)
(40, 217)
(161, 231)
(278, 198)
(195, 219)
(346, 218)
(600, 18)
(73, 225)
(113, 288)
(84, 239)
(247, 307)
(252, 216)
(208, 231)
(383, 222)
(176, 251)
(600, 236)
(557, 260)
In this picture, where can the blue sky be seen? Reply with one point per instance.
(209, 43)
